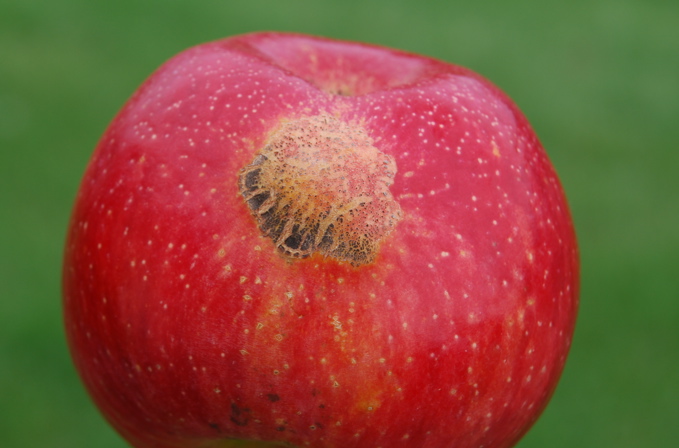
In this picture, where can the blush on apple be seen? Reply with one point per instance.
(284, 240)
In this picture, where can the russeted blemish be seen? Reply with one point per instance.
(320, 186)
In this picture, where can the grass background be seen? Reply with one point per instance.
(599, 80)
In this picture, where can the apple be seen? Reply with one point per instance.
(285, 240)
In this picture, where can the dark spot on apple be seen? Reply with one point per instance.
(341, 91)
(239, 422)
(215, 426)
(256, 201)
(326, 241)
(252, 178)
(273, 397)
(239, 416)
(280, 428)
(235, 410)
(294, 241)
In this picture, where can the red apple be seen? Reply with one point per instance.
(284, 239)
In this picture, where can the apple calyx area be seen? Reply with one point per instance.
(320, 186)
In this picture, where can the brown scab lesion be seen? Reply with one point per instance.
(320, 186)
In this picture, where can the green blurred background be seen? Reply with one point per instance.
(599, 80)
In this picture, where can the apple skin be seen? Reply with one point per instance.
(190, 328)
